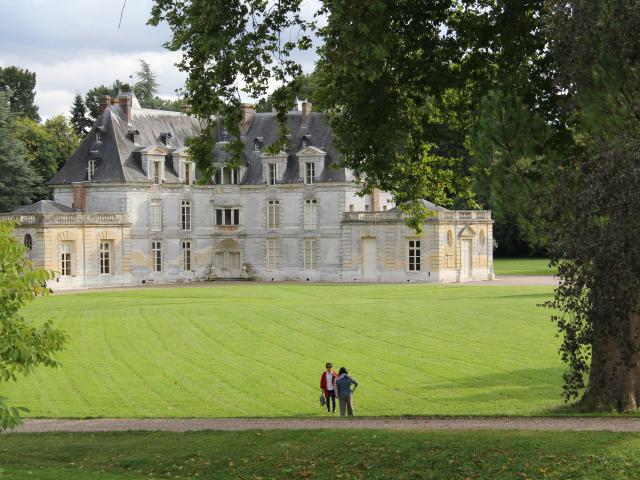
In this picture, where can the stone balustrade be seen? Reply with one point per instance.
(448, 216)
(72, 218)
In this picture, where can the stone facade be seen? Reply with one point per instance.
(130, 189)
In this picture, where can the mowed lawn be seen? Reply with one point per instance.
(321, 454)
(522, 266)
(237, 350)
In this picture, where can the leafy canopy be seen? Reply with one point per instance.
(23, 346)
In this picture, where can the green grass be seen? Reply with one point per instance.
(522, 266)
(258, 350)
(321, 455)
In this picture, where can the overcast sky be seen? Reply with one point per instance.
(74, 45)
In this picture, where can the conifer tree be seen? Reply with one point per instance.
(78, 119)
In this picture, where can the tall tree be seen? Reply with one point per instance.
(596, 50)
(20, 86)
(19, 183)
(146, 88)
(47, 147)
(78, 116)
(23, 346)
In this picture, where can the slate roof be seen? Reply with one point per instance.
(117, 157)
(44, 206)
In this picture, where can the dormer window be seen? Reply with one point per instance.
(306, 141)
(165, 138)
(133, 135)
(257, 143)
(98, 136)
(227, 176)
(157, 172)
(187, 173)
(91, 169)
(309, 173)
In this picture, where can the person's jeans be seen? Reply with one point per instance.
(331, 397)
(346, 404)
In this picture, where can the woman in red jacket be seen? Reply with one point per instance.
(328, 386)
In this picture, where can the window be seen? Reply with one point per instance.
(227, 216)
(187, 173)
(185, 215)
(28, 242)
(256, 146)
(230, 176)
(273, 251)
(65, 258)
(351, 208)
(105, 257)
(273, 214)
(91, 169)
(310, 213)
(227, 176)
(309, 172)
(157, 172)
(309, 254)
(186, 256)
(450, 238)
(272, 173)
(366, 208)
(98, 136)
(414, 255)
(156, 256)
(156, 215)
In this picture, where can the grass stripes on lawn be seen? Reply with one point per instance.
(259, 349)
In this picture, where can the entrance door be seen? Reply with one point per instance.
(369, 258)
(466, 257)
(228, 264)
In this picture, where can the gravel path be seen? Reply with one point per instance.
(397, 423)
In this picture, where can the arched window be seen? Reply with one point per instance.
(28, 242)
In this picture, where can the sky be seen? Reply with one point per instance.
(75, 45)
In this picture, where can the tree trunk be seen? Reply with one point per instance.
(614, 381)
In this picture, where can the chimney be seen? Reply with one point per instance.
(79, 197)
(247, 110)
(105, 101)
(375, 200)
(306, 111)
(184, 108)
(125, 105)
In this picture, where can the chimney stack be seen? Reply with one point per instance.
(184, 108)
(105, 101)
(306, 111)
(125, 102)
(247, 110)
(79, 197)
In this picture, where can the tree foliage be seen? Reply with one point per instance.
(226, 44)
(146, 87)
(594, 208)
(47, 146)
(23, 346)
(19, 84)
(20, 183)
